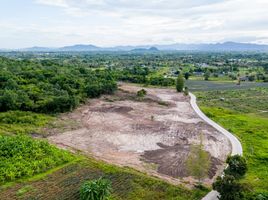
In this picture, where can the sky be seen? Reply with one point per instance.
(55, 23)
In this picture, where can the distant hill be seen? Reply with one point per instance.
(38, 49)
(80, 47)
(226, 46)
(151, 49)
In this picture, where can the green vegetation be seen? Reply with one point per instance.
(241, 112)
(180, 83)
(99, 189)
(144, 76)
(237, 166)
(19, 122)
(229, 188)
(141, 93)
(22, 156)
(198, 162)
(127, 184)
(35, 86)
(24, 190)
(228, 185)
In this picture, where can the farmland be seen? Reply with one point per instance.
(127, 183)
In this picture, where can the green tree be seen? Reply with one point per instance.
(187, 75)
(180, 83)
(237, 166)
(229, 188)
(198, 162)
(207, 75)
(99, 189)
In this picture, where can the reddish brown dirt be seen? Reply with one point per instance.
(128, 131)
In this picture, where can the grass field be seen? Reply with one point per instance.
(244, 113)
(200, 85)
(20, 122)
(126, 183)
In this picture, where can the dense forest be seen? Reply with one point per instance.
(49, 87)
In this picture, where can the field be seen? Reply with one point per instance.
(153, 134)
(126, 183)
(244, 113)
(201, 85)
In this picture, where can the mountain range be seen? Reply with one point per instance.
(226, 46)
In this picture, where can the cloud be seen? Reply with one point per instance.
(120, 22)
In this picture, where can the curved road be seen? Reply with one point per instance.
(236, 145)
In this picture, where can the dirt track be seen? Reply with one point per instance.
(152, 135)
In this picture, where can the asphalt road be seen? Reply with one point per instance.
(235, 143)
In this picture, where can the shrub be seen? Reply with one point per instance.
(141, 93)
(229, 188)
(186, 91)
(99, 189)
(237, 166)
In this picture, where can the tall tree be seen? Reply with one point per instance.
(180, 83)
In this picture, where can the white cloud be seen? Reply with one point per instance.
(116, 22)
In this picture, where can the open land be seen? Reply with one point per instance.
(153, 134)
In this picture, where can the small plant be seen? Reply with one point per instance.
(141, 93)
(198, 162)
(24, 190)
(99, 189)
(186, 91)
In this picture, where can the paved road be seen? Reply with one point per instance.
(236, 145)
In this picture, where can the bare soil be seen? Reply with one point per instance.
(151, 134)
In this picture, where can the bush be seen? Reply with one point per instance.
(237, 166)
(186, 91)
(22, 156)
(95, 190)
(229, 188)
(141, 93)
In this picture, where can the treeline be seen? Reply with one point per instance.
(49, 87)
(143, 75)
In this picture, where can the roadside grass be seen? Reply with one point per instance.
(127, 184)
(22, 122)
(240, 114)
(253, 100)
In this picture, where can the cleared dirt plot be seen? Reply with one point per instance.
(152, 134)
